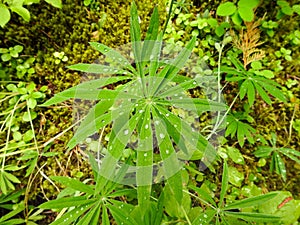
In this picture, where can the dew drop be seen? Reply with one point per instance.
(176, 95)
(156, 122)
(194, 82)
(126, 132)
(180, 97)
(145, 154)
(205, 216)
(167, 152)
(167, 114)
(161, 135)
(146, 126)
(140, 111)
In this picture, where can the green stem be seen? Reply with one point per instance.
(169, 16)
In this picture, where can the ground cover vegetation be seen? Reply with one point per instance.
(200, 124)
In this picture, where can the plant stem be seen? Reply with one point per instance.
(169, 16)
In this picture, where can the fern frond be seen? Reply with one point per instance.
(248, 41)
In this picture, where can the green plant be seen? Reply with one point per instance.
(22, 101)
(222, 212)
(284, 53)
(15, 64)
(277, 162)
(244, 11)
(60, 57)
(142, 105)
(269, 27)
(17, 6)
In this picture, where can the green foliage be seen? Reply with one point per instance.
(17, 6)
(149, 93)
(231, 213)
(22, 101)
(277, 162)
(15, 64)
(253, 81)
(244, 11)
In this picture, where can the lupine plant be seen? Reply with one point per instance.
(142, 104)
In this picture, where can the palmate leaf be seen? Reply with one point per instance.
(240, 129)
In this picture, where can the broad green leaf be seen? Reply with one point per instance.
(246, 14)
(224, 187)
(235, 177)
(21, 11)
(248, 4)
(74, 184)
(235, 155)
(5, 15)
(254, 217)
(55, 3)
(67, 202)
(249, 202)
(226, 9)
